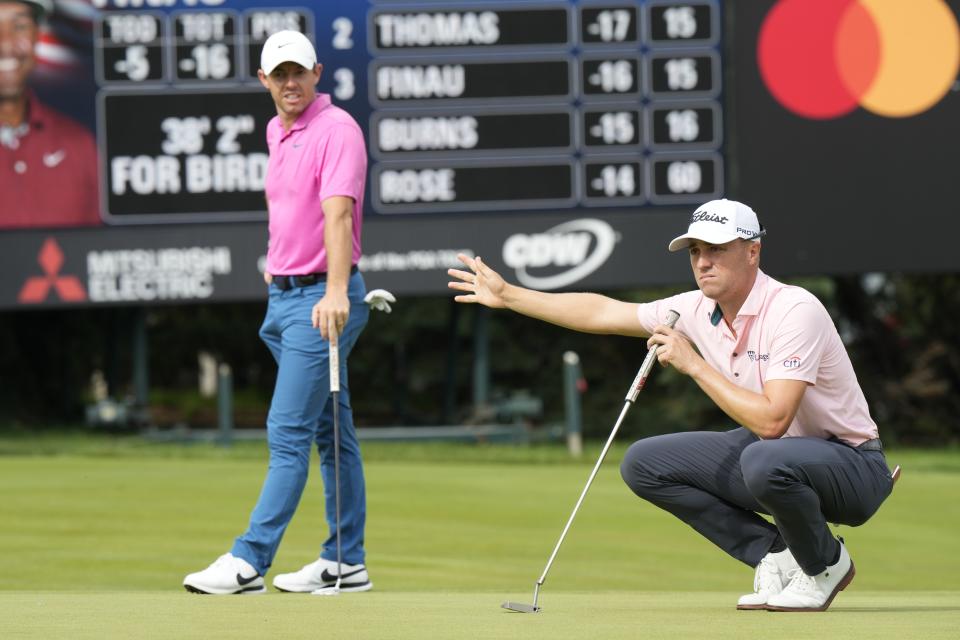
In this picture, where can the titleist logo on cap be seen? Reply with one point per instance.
(707, 216)
(718, 222)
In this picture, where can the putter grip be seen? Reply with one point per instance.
(641, 379)
(334, 363)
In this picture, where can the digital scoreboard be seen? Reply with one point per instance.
(564, 141)
(466, 106)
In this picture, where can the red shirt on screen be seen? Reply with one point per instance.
(49, 178)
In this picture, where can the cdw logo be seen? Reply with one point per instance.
(37, 288)
(565, 245)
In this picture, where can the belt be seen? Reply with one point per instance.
(285, 283)
(871, 445)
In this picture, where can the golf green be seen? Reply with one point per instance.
(97, 540)
(451, 616)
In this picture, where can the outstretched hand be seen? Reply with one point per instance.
(481, 284)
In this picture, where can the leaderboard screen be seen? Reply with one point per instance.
(466, 106)
(565, 142)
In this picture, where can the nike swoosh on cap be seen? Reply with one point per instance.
(245, 581)
(326, 576)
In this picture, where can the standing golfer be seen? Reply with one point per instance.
(807, 452)
(314, 187)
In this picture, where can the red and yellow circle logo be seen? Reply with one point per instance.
(895, 58)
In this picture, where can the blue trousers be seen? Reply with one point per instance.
(719, 483)
(301, 414)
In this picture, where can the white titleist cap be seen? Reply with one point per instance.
(287, 46)
(719, 222)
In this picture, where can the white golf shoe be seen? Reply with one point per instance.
(322, 574)
(770, 579)
(227, 575)
(814, 593)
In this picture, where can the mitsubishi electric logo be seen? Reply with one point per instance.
(37, 288)
(580, 246)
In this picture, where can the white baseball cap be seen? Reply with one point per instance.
(719, 222)
(287, 46)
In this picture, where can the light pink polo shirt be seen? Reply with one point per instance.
(323, 155)
(783, 332)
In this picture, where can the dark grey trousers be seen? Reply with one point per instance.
(718, 483)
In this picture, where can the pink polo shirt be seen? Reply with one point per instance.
(783, 333)
(323, 155)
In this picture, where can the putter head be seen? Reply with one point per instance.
(520, 607)
(333, 590)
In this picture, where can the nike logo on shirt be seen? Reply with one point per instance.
(53, 159)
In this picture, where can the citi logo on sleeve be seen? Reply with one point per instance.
(793, 362)
(821, 59)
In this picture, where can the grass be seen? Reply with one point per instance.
(399, 615)
(98, 532)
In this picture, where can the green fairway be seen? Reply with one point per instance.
(97, 539)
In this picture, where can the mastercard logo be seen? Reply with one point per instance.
(822, 59)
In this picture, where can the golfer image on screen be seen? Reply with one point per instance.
(48, 161)
(806, 450)
(314, 187)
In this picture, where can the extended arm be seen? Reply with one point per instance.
(587, 312)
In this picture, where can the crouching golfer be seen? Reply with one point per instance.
(807, 452)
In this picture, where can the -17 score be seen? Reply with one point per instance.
(611, 25)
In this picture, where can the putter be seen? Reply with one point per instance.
(378, 299)
(334, 359)
(632, 393)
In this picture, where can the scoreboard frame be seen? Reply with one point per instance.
(545, 58)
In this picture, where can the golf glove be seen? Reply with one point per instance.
(380, 300)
